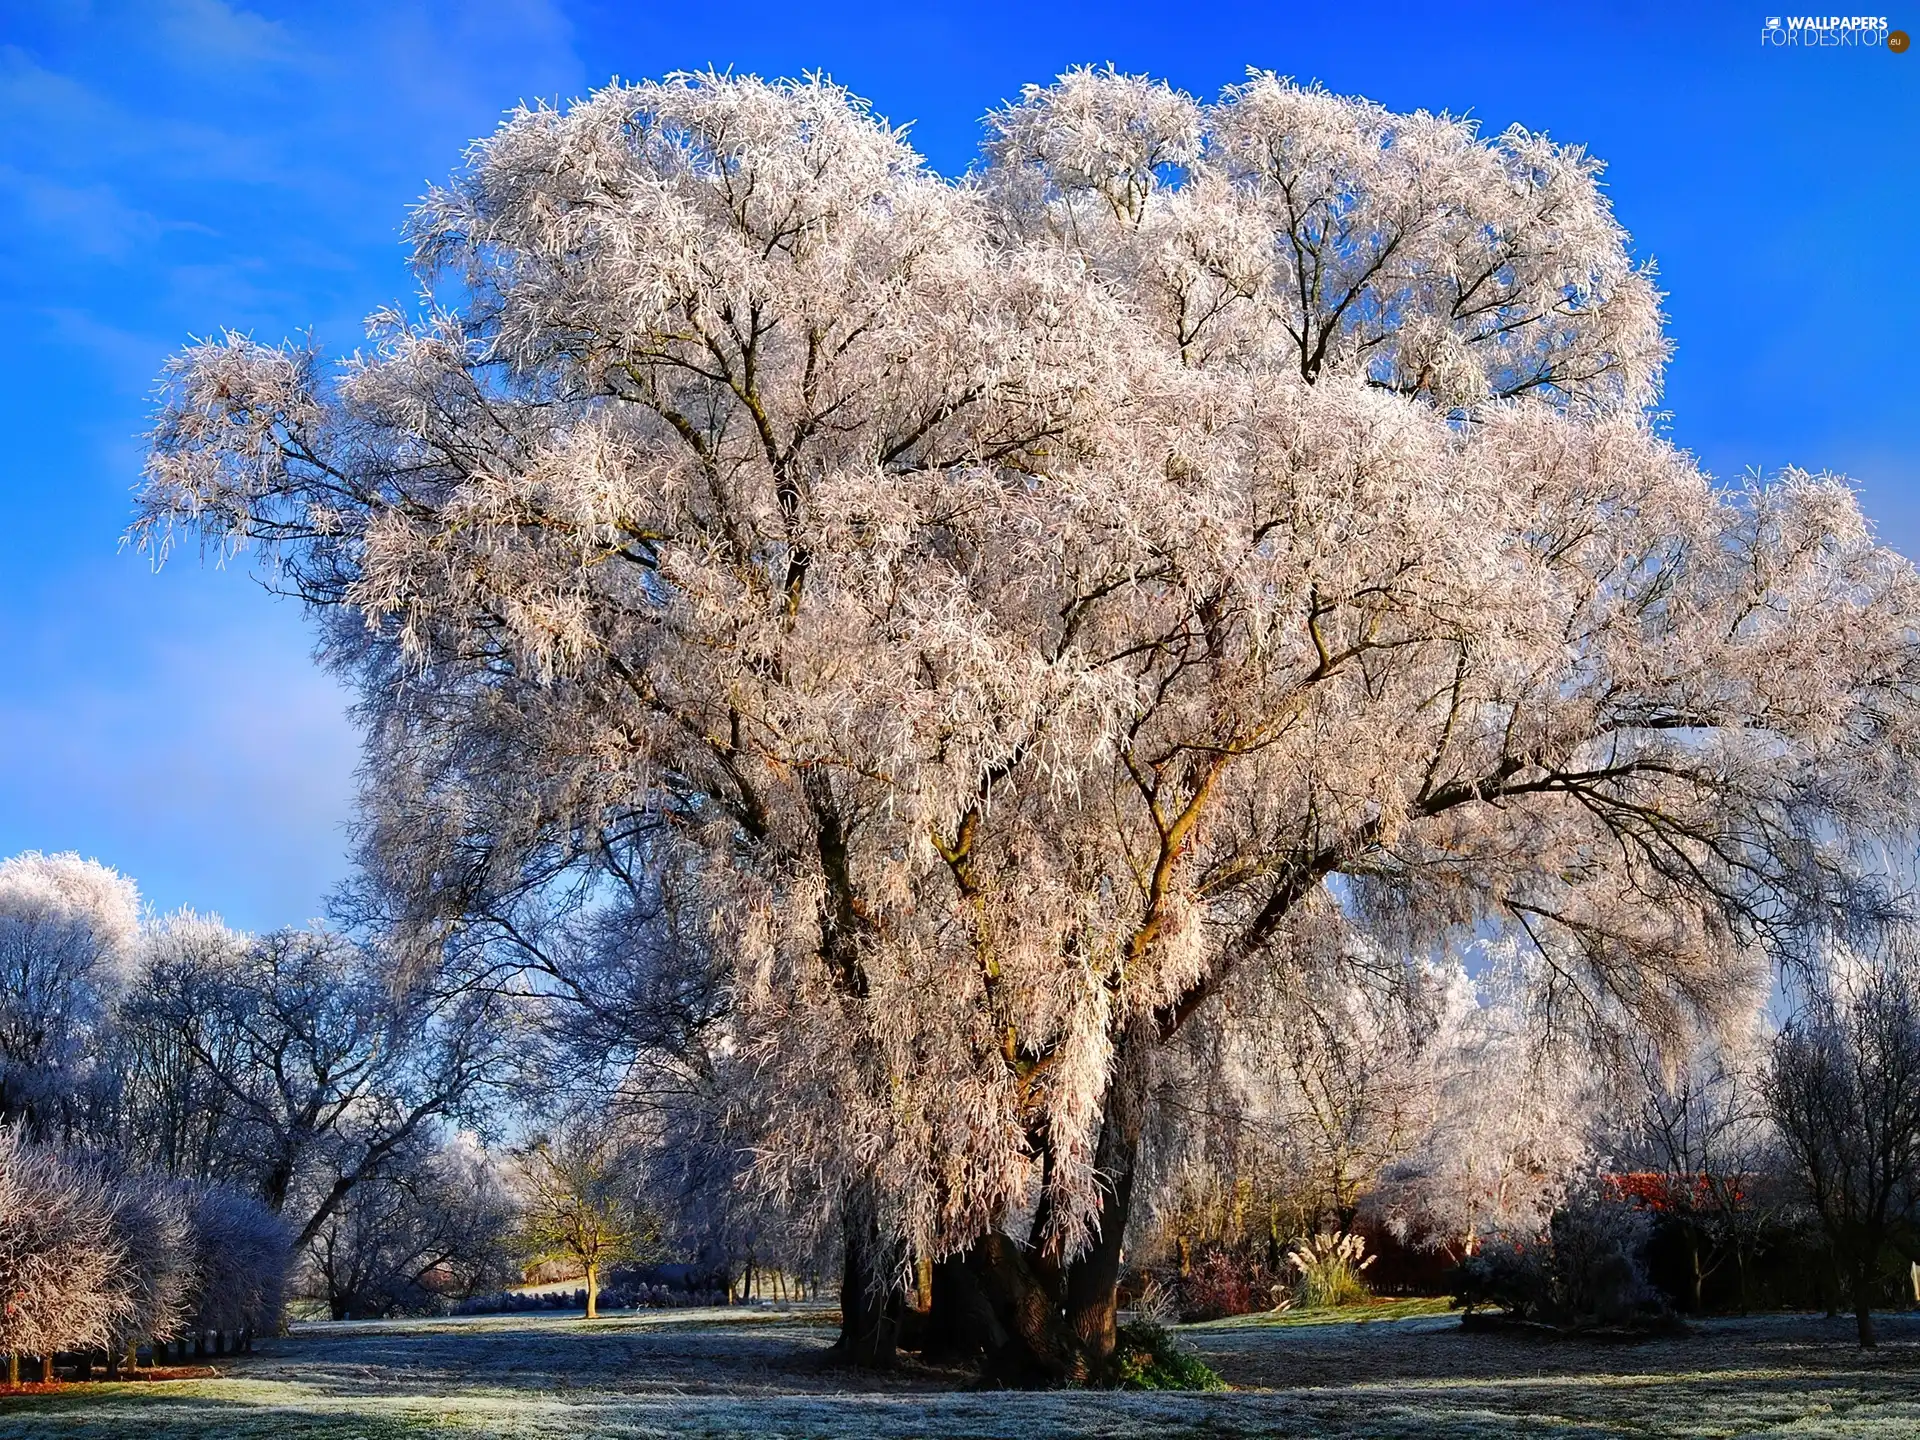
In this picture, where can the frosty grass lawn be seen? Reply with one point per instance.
(744, 1373)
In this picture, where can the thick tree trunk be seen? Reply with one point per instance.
(954, 1313)
(1092, 1285)
(1093, 1280)
(1030, 1342)
(46, 1368)
(1030, 1319)
(593, 1292)
(870, 1298)
(994, 1305)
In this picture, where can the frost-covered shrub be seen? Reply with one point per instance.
(1587, 1270)
(152, 1223)
(1599, 1264)
(1328, 1270)
(59, 1255)
(241, 1254)
(1504, 1275)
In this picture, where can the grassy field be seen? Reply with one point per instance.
(744, 1373)
(1347, 1315)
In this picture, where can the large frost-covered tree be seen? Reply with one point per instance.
(69, 932)
(1023, 607)
(1512, 1120)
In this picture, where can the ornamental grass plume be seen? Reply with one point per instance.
(1329, 1266)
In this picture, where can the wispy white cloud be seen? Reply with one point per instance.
(212, 33)
(123, 353)
(182, 735)
(90, 219)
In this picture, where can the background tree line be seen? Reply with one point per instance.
(203, 1098)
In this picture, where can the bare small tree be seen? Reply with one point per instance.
(1701, 1132)
(580, 1200)
(1844, 1089)
(436, 1223)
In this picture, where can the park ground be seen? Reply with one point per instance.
(723, 1373)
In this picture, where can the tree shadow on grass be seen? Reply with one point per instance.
(1416, 1380)
(1417, 1413)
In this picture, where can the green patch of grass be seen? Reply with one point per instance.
(1340, 1315)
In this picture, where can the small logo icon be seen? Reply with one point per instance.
(1773, 22)
(1897, 41)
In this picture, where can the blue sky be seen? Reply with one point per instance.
(174, 166)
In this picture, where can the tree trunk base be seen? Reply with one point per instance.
(993, 1307)
(871, 1303)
